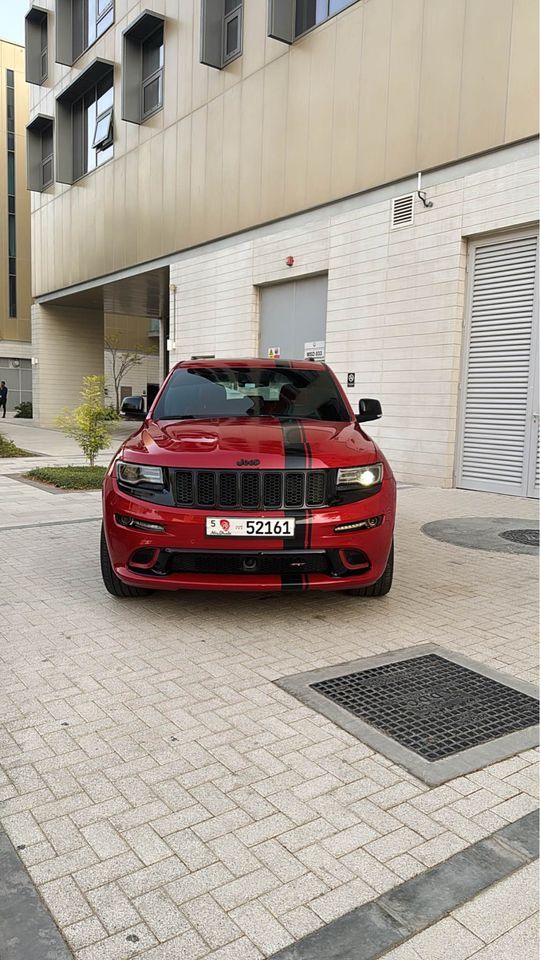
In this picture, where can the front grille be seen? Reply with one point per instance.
(247, 564)
(251, 489)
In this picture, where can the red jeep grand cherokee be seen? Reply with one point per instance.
(249, 475)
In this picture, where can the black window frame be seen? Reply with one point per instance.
(215, 21)
(157, 74)
(81, 148)
(12, 196)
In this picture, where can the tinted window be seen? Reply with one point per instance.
(251, 392)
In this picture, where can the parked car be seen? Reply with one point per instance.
(250, 475)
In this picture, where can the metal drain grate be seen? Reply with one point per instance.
(528, 537)
(432, 706)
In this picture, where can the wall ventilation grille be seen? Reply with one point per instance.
(403, 211)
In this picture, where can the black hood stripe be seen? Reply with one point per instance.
(297, 457)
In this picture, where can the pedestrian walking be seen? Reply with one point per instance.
(3, 397)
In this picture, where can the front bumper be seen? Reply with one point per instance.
(184, 557)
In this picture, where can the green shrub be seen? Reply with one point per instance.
(87, 424)
(10, 449)
(69, 478)
(24, 410)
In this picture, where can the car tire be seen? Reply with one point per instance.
(381, 586)
(113, 584)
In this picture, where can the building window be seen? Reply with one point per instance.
(36, 45)
(289, 19)
(12, 225)
(93, 128)
(221, 31)
(143, 67)
(40, 153)
(152, 72)
(79, 23)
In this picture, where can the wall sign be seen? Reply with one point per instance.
(351, 379)
(274, 353)
(314, 350)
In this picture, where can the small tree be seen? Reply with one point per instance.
(122, 362)
(87, 424)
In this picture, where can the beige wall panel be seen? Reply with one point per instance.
(440, 79)
(168, 223)
(183, 177)
(130, 220)
(230, 151)
(403, 87)
(69, 344)
(276, 79)
(322, 50)
(344, 135)
(297, 109)
(482, 109)
(523, 86)
(198, 174)
(254, 42)
(251, 147)
(373, 98)
(214, 167)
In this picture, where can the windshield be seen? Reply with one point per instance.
(211, 392)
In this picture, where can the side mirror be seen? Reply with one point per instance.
(369, 409)
(133, 408)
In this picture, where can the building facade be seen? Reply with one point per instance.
(15, 280)
(349, 178)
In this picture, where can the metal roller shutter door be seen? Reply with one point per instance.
(497, 428)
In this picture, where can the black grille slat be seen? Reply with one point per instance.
(184, 487)
(251, 489)
(228, 490)
(315, 489)
(294, 489)
(206, 489)
(272, 490)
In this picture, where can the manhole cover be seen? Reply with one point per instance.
(528, 537)
(431, 705)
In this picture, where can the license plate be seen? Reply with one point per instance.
(249, 527)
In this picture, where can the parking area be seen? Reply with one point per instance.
(169, 800)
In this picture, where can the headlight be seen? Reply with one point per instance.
(133, 474)
(368, 476)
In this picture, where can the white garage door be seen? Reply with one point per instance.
(293, 314)
(499, 448)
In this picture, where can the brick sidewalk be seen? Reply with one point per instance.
(171, 802)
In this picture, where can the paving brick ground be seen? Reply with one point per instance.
(170, 801)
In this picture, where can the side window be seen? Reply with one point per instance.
(143, 68)
(79, 23)
(36, 46)
(40, 153)
(289, 19)
(85, 122)
(221, 31)
(152, 72)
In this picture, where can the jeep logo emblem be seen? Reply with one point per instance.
(247, 463)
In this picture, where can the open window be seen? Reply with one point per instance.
(143, 66)
(221, 31)
(79, 23)
(85, 122)
(40, 153)
(36, 45)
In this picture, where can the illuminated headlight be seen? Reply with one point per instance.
(368, 476)
(133, 474)
(124, 521)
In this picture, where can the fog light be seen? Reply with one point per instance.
(132, 522)
(359, 525)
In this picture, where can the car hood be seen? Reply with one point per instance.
(222, 444)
